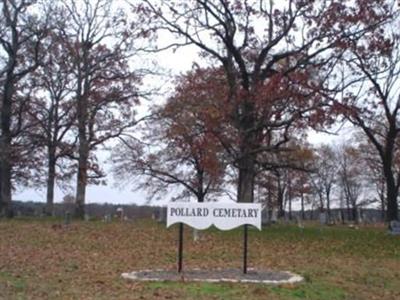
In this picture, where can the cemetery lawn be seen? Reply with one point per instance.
(39, 259)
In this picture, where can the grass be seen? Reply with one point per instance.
(41, 260)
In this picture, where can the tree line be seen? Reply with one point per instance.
(267, 73)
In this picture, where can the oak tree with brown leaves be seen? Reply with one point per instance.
(99, 42)
(269, 54)
(179, 148)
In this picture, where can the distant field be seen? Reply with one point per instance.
(40, 260)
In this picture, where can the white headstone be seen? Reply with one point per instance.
(394, 227)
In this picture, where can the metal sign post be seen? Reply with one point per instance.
(180, 247)
(245, 249)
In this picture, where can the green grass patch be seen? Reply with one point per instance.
(311, 291)
(12, 286)
(194, 290)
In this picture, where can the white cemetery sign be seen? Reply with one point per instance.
(224, 216)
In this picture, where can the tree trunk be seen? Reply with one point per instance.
(246, 180)
(383, 209)
(349, 218)
(281, 210)
(81, 181)
(342, 215)
(51, 178)
(391, 192)
(328, 207)
(83, 158)
(6, 209)
(392, 207)
(200, 185)
(321, 202)
(354, 213)
(247, 158)
(200, 199)
(83, 90)
(1, 201)
(381, 192)
(5, 150)
(289, 197)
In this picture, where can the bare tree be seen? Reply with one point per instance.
(372, 101)
(284, 176)
(351, 178)
(325, 176)
(375, 174)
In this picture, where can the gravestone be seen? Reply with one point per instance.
(162, 215)
(196, 235)
(67, 218)
(264, 217)
(394, 228)
(359, 215)
(299, 222)
(274, 216)
(120, 213)
(107, 218)
(323, 218)
(340, 218)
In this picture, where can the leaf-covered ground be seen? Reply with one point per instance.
(41, 260)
